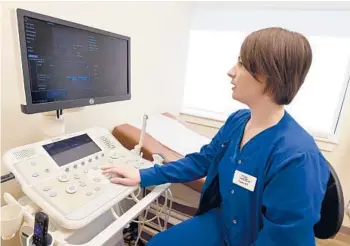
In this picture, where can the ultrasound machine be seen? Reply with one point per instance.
(66, 66)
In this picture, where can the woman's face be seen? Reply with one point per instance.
(246, 89)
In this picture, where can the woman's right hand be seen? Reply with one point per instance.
(123, 175)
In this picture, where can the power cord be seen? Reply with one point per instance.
(130, 235)
(137, 200)
(138, 193)
(157, 216)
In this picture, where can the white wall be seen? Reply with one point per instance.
(159, 39)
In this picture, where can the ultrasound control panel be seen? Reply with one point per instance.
(63, 175)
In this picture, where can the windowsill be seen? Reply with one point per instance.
(325, 144)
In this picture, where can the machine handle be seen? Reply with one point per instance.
(28, 217)
(118, 224)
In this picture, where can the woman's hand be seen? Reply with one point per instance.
(124, 175)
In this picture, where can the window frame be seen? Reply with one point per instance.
(332, 138)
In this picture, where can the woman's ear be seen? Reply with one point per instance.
(261, 78)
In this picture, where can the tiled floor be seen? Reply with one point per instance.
(340, 240)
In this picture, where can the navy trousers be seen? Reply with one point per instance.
(204, 230)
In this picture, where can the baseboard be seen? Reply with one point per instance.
(345, 230)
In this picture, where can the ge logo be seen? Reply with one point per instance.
(91, 101)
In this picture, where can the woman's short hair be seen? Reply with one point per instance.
(280, 56)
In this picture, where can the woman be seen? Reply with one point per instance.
(266, 178)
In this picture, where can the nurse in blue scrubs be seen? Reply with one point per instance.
(265, 176)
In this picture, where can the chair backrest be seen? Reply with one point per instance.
(332, 211)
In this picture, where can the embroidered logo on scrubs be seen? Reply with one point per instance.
(244, 180)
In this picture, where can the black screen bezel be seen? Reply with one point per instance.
(31, 108)
(68, 139)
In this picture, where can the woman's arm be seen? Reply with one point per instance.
(192, 167)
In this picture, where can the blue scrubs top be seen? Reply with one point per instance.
(281, 179)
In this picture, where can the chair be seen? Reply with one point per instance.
(332, 211)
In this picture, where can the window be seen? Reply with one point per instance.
(214, 48)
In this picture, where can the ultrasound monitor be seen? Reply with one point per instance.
(67, 65)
